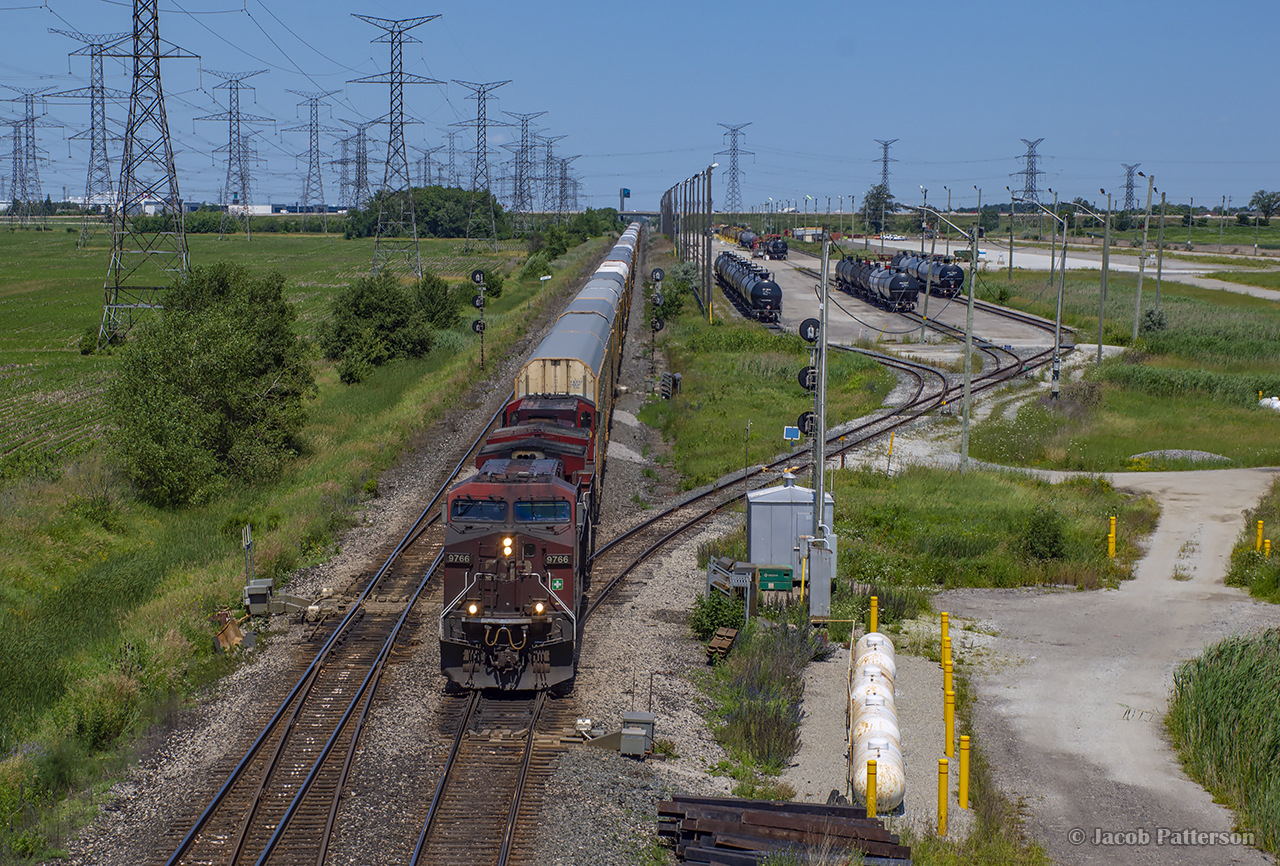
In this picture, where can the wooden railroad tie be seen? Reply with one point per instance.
(736, 832)
(721, 643)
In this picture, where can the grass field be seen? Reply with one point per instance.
(735, 371)
(103, 600)
(51, 397)
(1191, 385)
(1265, 279)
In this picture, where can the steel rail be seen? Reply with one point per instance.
(370, 682)
(508, 835)
(438, 797)
(415, 531)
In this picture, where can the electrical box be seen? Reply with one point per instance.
(775, 578)
(635, 744)
(257, 596)
(777, 517)
(644, 721)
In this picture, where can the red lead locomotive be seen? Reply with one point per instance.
(512, 581)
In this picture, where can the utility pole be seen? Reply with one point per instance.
(1160, 253)
(397, 234)
(477, 225)
(1106, 268)
(1221, 223)
(968, 348)
(820, 416)
(1142, 262)
(706, 239)
(1191, 219)
(145, 258)
(98, 188)
(235, 191)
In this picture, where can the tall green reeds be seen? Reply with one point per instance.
(1225, 722)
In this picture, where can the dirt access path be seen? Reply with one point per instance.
(1072, 686)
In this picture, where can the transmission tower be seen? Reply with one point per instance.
(27, 203)
(146, 258)
(344, 163)
(313, 186)
(99, 191)
(477, 225)
(397, 234)
(1030, 172)
(1130, 203)
(885, 159)
(236, 194)
(550, 176)
(523, 176)
(732, 194)
(425, 162)
(359, 193)
(454, 181)
(567, 199)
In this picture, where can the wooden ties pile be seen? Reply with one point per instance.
(733, 832)
(720, 644)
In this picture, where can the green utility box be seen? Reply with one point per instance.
(775, 578)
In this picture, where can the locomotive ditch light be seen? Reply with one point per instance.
(473, 608)
(539, 607)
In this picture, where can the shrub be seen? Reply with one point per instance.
(538, 265)
(716, 611)
(1043, 535)
(376, 305)
(213, 389)
(106, 708)
(441, 306)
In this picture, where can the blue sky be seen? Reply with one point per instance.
(1186, 89)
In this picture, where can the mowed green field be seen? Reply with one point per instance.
(51, 396)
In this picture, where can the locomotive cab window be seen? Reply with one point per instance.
(543, 511)
(479, 510)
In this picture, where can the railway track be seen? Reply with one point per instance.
(280, 802)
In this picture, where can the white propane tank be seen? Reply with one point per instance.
(873, 640)
(891, 777)
(880, 659)
(873, 723)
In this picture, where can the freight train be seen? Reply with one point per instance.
(751, 286)
(943, 276)
(521, 530)
(775, 248)
(887, 287)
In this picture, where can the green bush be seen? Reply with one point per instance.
(1043, 534)
(213, 389)
(716, 611)
(378, 317)
(538, 265)
(441, 306)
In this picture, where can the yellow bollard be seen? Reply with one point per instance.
(949, 721)
(942, 796)
(946, 651)
(871, 788)
(873, 622)
(1266, 548)
(947, 686)
(1258, 545)
(964, 772)
(1111, 540)
(946, 622)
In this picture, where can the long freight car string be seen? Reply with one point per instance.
(818, 290)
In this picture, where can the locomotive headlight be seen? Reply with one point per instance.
(506, 546)
(539, 607)
(473, 608)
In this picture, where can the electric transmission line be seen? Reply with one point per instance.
(99, 191)
(147, 255)
(732, 193)
(237, 197)
(358, 194)
(397, 233)
(550, 176)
